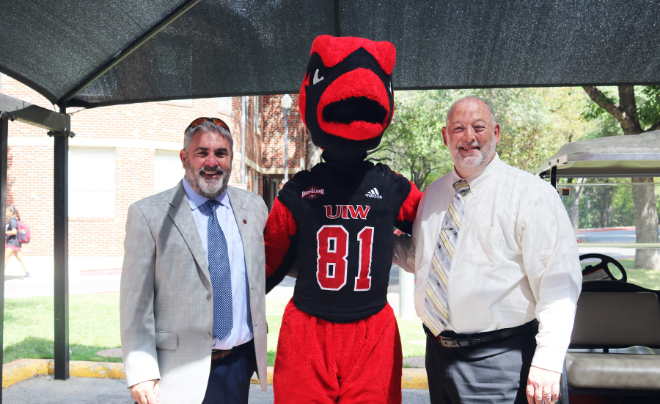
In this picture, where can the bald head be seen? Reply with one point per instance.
(475, 100)
(471, 135)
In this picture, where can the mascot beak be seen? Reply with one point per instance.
(356, 102)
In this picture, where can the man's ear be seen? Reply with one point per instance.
(182, 156)
(496, 133)
(444, 135)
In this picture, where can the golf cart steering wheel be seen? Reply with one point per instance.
(605, 260)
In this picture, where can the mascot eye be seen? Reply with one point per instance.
(316, 77)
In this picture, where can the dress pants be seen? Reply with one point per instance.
(229, 380)
(492, 372)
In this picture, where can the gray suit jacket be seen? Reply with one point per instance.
(166, 300)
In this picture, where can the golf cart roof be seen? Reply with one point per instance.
(614, 156)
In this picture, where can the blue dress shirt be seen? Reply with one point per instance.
(241, 331)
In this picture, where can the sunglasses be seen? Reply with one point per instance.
(216, 121)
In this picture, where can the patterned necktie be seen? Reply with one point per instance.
(220, 274)
(436, 308)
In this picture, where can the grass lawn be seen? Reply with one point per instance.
(93, 326)
(642, 277)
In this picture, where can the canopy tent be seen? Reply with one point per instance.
(103, 52)
(607, 157)
(222, 47)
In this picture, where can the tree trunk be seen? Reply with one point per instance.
(646, 212)
(646, 223)
(313, 153)
(574, 206)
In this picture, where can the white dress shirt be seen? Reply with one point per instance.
(241, 331)
(516, 257)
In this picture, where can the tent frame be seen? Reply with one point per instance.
(59, 126)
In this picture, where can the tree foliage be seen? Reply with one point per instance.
(535, 123)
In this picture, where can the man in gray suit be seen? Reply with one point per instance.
(193, 323)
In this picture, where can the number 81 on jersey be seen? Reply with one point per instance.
(332, 262)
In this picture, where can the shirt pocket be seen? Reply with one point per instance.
(166, 340)
(483, 246)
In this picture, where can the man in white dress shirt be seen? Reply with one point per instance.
(498, 273)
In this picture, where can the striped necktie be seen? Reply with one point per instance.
(436, 308)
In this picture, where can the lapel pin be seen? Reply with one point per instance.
(244, 221)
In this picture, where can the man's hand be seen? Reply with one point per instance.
(147, 392)
(542, 386)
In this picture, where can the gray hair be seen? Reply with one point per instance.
(207, 126)
(492, 115)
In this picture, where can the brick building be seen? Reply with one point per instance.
(123, 153)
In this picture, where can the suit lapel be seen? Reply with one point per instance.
(184, 221)
(241, 214)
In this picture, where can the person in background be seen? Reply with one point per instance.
(12, 245)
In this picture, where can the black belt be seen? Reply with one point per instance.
(450, 339)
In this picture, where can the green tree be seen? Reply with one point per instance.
(413, 143)
(535, 123)
(636, 114)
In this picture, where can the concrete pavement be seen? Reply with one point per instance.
(45, 390)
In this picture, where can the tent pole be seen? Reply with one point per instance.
(243, 158)
(4, 128)
(61, 252)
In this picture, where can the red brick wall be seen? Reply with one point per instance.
(135, 131)
(272, 118)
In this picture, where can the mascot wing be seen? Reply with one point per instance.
(280, 240)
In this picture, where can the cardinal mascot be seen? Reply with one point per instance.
(339, 341)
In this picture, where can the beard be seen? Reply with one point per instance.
(208, 188)
(471, 165)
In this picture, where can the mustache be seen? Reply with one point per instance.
(469, 144)
(209, 169)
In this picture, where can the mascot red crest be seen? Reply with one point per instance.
(346, 99)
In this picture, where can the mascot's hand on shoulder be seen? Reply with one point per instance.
(346, 99)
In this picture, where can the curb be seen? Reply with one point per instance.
(414, 378)
(23, 369)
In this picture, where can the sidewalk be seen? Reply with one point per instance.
(45, 390)
(41, 281)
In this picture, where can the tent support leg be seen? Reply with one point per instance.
(4, 129)
(61, 253)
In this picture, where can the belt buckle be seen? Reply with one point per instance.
(448, 343)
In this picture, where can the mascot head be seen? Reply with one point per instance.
(346, 98)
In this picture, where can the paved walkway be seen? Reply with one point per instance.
(45, 390)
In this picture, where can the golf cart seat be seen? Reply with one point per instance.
(614, 341)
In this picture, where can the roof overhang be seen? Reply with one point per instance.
(609, 157)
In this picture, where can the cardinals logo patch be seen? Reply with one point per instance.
(313, 193)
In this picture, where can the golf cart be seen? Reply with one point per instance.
(614, 354)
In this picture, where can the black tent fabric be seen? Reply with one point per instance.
(244, 47)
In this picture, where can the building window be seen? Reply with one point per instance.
(168, 170)
(224, 105)
(92, 182)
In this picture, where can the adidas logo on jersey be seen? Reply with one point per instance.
(373, 194)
